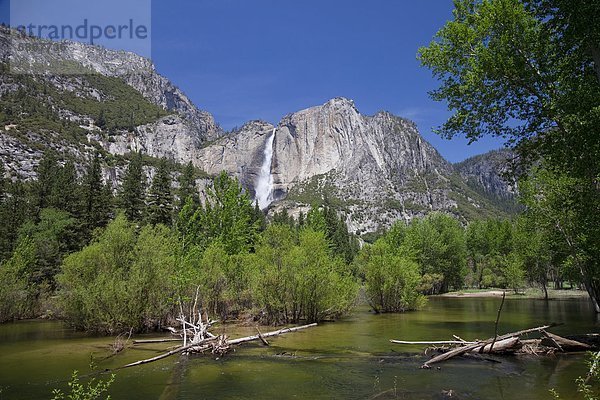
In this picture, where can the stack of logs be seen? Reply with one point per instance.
(510, 343)
(197, 338)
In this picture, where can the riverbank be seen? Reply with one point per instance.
(529, 293)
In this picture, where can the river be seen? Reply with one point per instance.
(348, 359)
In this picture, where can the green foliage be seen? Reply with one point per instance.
(133, 191)
(437, 244)
(14, 211)
(259, 218)
(281, 217)
(514, 272)
(489, 242)
(325, 219)
(28, 110)
(187, 186)
(529, 71)
(66, 193)
(17, 296)
(97, 198)
(123, 108)
(224, 281)
(45, 185)
(539, 249)
(33, 106)
(93, 390)
(565, 215)
(159, 208)
(391, 280)
(315, 219)
(489, 59)
(50, 237)
(298, 278)
(227, 217)
(122, 280)
(587, 389)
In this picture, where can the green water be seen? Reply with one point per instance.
(349, 359)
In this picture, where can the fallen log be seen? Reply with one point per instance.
(223, 343)
(144, 341)
(262, 338)
(464, 349)
(510, 344)
(161, 356)
(563, 344)
(431, 342)
(269, 334)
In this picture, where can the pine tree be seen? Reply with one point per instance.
(226, 217)
(301, 220)
(14, 210)
(133, 190)
(160, 198)
(100, 121)
(187, 187)
(97, 198)
(284, 218)
(41, 190)
(259, 218)
(65, 193)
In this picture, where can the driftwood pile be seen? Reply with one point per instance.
(196, 338)
(510, 343)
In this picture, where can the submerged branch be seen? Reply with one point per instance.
(221, 341)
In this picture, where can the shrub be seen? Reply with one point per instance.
(391, 281)
(298, 279)
(94, 389)
(17, 296)
(122, 280)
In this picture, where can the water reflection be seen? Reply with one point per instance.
(349, 359)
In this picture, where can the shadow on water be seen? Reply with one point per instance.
(348, 359)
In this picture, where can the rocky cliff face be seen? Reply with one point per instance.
(239, 153)
(53, 82)
(136, 71)
(336, 137)
(489, 172)
(373, 169)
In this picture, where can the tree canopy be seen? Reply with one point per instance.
(529, 71)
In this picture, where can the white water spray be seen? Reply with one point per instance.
(264, 184)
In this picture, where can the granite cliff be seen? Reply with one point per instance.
(372, 169)
(375, 169)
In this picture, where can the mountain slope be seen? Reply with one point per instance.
(488, 174)
(372, 169)
(105, 100)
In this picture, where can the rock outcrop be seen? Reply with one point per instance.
(240, 153)
(489, 172)
(373, 169)
(136, 71)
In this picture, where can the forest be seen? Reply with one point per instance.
(109, 261)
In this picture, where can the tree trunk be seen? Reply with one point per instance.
(563, 344)
(593, 292)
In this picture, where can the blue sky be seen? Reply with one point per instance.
(262, 59)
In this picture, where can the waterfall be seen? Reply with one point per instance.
(264, 184)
